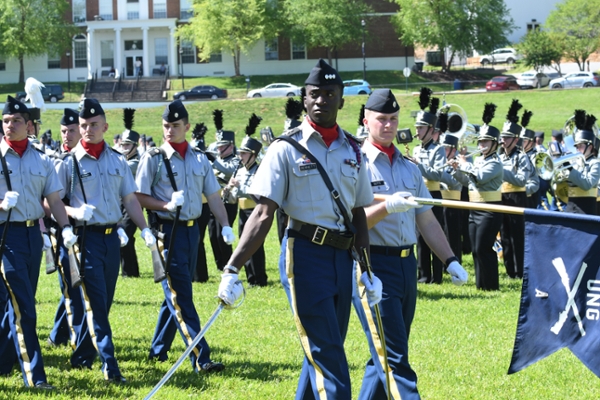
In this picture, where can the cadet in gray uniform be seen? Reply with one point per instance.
(393, 227)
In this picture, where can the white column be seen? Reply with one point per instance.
(90, 61)
(146, 64)
(173, 60)
(118, 52)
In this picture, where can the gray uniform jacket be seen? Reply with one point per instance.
(517, 167)
(448, 181)
(245, 177)
(225, 167)
(533, 181)
(432, 158)
(294, 183)
(484, 175)
(589, 177)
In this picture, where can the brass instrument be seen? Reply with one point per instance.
(563, 165)
(544, 166)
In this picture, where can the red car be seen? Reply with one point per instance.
(502, 82)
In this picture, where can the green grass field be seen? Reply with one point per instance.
(461, 341)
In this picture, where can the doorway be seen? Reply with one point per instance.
(130, 66)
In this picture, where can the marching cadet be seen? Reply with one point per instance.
(393, 227)
(430, 158)
(583, 182)
(27, 176)
(484, 178)
(126, 230)
(69, 314)
(238, 190)
(224, 165)
(98, 181)
(318, 265)
(517, 169)
(172, 177)
(533, 181)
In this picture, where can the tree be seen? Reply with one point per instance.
(456, 25)
(577, 24)
(233, 26)
(540, 49)
(32, 28)
(325, 23)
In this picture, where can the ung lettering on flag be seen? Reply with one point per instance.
(560, 298)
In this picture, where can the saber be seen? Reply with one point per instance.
(464, 205)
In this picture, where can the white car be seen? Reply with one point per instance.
(507, 55)
(533, 79)
(276, 90)
(575, 80)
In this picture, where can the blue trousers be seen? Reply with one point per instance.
(20, 271)
(397, 309)
(102, 258)
(177, 311)
(320, 293)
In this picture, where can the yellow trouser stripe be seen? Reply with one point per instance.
(364, 302)
(68, 305)
(289, 271)
(89, 317)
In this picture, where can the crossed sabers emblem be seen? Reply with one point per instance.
(571, 292)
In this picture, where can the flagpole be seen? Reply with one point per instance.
(464, 205)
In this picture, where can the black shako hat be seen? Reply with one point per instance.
(90, 108)
(383, 101)
(323, 74)
(14, 106)
(69, 117)
(539, 134)
(174, 111)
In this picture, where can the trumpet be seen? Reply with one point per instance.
(475, 153)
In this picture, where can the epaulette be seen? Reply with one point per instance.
(115, 150)
(62, 156)
(409, 159)
(292, 132)
(352, 137)
(198, 150)
(38, 149)
(153, 151)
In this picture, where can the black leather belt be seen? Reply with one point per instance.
(322, 236)
(402, 251)
(23, 224)
(188, 223)
(106, 229)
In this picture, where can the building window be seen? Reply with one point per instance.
(133, 9)
(107, 53)
(186, 9)
(53, 61)
(134, 45)
(160, 8)
(2, 63)
(105, 9)
(161, 51)
(80, 51)
(187, 56)
(78, 11)
(271, 50)
(298, 51)
(216, 57)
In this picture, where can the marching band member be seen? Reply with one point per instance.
(533, 181)
(484, 178)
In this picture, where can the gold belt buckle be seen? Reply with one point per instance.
(29, 223)
(108, 231)
(405, 253)
(190, 222)
(319, 236)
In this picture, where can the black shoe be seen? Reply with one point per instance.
(44, 386)
(211, 367)
(117, 380)
(51, 343)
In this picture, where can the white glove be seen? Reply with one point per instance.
(457, 273)
(84, 213)
(69, 237)
(47, 242)
(122, 237)
(230, 288)
(177, 200)
(400, 202)
(148, 237)
(374, 289)
(228, 235)
(10, 200)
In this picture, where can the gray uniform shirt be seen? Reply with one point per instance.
(448, 181)
(294, 183)
(105, 180)
(432, 158)
(484, 175)
(245, 177)
(396, 229)
(517, 167)
(533, 181)
(33, 177)
(193, 175)
(587, 178)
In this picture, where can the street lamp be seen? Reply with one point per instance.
(181, 62)
(363, 24)
(69, 73)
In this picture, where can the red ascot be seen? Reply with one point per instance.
(387, 150)
(94, 150)
(65, 147)
(181, 148)
(17, 145)
(328, 134)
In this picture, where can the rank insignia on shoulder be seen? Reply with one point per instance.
(351, 162)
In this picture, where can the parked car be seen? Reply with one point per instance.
(502, 82)
(506, 55)
(276, 90)
(356, 86)
(51, 93)
(533, 79)
(575, 80)
(201, 92)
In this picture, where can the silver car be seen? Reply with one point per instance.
(575, 80)
(532, 79)
(276, 90)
